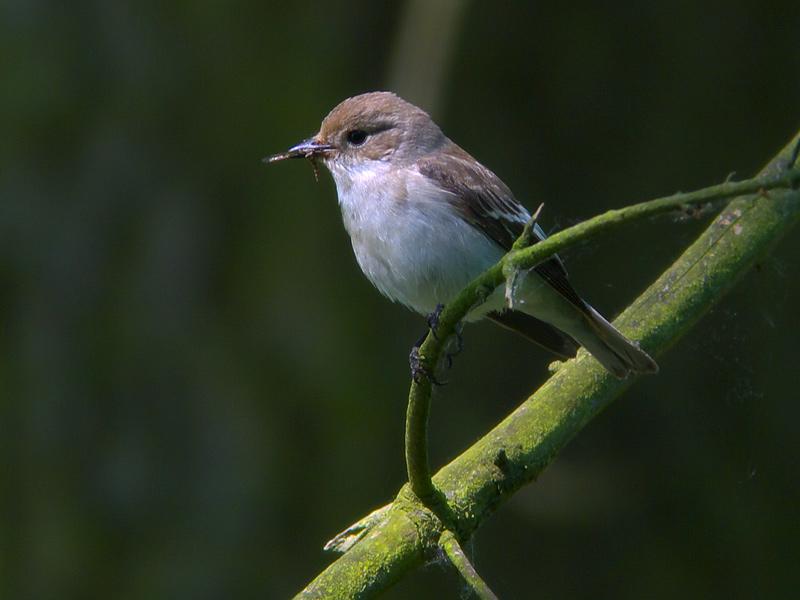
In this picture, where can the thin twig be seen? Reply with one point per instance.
(527, 235)
(449, 543)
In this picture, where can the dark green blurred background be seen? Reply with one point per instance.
(200, 388)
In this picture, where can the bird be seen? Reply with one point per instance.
(425, 218)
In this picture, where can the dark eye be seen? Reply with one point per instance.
(356, 137)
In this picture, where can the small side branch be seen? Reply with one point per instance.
(526, 238)
(459, 560)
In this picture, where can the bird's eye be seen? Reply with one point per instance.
(356, 137)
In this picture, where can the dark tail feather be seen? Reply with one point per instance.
(614, 351)
(536, 331)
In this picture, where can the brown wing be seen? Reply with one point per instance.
(484, 201)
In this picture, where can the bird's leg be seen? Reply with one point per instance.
(418, 370)
(459, 346)
(433, 320)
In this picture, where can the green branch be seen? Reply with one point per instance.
(406, 533)
(524, 256)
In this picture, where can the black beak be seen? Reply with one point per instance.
(309, 148)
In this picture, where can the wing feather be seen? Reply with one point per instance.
(482, 199)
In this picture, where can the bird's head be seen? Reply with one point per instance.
(369, 128)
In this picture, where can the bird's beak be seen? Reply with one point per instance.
(310, 148)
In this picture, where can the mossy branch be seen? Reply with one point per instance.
(524, 256)
(522, 445)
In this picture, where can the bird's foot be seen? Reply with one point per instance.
(419, 371)
(433, 322)
(433, 319)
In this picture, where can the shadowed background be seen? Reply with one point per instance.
(199, 386)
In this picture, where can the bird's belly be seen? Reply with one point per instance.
(418, 257)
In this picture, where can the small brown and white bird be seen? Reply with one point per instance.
(425, 218)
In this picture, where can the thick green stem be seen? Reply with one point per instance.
(416, 440)
(519, 448)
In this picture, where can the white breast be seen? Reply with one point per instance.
(408, 241)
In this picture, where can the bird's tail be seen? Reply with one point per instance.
(612, 349)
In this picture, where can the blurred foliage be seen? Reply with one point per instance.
(201, 388)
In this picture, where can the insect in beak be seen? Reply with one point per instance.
(310, 149)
